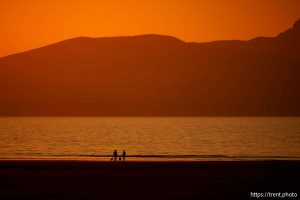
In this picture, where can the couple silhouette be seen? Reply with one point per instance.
(115, 156)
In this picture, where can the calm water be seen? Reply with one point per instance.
(211, 138)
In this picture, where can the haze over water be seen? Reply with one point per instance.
(184, 138)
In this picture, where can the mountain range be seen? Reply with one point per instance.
(154, 75)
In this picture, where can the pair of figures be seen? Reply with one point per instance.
(115, 156)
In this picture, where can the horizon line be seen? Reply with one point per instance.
(138, 35)
(157, 34)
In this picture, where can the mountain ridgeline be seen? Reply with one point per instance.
(154, 75)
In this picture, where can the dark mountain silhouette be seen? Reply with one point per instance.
(155, 75)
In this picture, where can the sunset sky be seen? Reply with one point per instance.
(33, 23)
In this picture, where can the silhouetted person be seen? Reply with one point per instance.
(120, 158)
(115, 155)
(124, 155)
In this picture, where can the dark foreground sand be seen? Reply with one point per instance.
(146, 180)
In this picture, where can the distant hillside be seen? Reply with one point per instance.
(154, 75)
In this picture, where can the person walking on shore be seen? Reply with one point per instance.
(124, 155)
(115, 154)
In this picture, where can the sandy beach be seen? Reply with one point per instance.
(67, 179)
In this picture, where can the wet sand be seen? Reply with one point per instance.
(61, 179)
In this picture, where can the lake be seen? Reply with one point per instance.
(150, 138)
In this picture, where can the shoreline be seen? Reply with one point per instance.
(158, 158)
(161, 160)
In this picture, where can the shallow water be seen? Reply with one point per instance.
(150, 138)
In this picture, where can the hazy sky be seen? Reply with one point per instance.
(33, 23)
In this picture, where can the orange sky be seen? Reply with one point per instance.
(33, 23)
